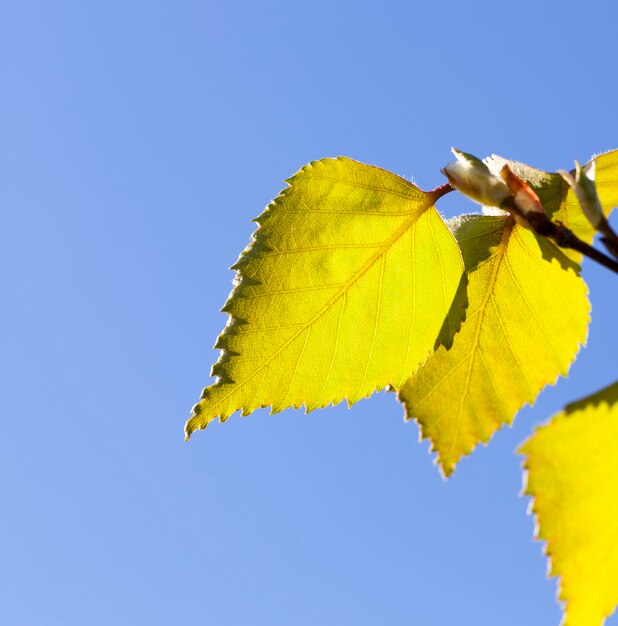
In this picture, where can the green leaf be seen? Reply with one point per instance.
(342, 291)
(527, 316)
(572, 474)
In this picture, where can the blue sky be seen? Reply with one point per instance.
(138, 139)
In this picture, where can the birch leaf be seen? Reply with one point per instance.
(343, 290)
(572, 474)
(527, 316)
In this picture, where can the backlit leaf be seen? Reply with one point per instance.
(572, 474)
(527, 316)
(606, 180)
(342, 291)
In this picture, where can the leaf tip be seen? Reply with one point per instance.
(446, 469)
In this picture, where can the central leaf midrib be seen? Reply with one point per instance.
(508, 229)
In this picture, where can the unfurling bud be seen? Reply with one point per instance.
(586, 192)
(472, 177)
(524, 196)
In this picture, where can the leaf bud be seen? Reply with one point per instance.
(473, 178)
(524, 196)
(585, 190)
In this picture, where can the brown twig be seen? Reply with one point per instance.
(609, 238)
(559, 234)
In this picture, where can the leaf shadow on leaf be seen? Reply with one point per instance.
(552, 252)
(455, 317)
(472, 257)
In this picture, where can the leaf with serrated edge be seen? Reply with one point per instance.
(572, 474)
(527, 316)
(342, 291)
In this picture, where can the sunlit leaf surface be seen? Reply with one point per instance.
(343, 290)
(572, 474)
(527, 317)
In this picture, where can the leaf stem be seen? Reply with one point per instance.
(442, 190)
(560, 234)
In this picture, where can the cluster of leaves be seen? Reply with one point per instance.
(354, 283)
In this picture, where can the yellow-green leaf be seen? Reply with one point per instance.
(572, 474)
(342, 291)
(606, 180)
(527, 316)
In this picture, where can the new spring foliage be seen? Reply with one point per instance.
(354, 283)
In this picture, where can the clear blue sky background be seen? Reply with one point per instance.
(137, 140)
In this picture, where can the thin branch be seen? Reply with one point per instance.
(610, 238)
(559, 234)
